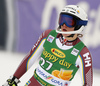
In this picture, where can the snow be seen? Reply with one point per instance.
(9, 62)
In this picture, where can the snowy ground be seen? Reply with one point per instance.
(10, 61)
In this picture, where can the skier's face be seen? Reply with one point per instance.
(65, 28)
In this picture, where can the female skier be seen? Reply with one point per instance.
(61, 53)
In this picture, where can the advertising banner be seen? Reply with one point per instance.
(36, 16)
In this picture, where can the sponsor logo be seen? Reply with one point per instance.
(75, 52)
(50, 38)
(53, 58)
(78, 11)
(87, 59)
(58, 53)
(49, 77)
(50, 56)
(71, 8)
(66, 84)
(64, 63)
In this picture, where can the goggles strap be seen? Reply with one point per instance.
(80, 22)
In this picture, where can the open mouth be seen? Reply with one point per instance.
(64, 30)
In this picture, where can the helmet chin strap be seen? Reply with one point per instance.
(71, 37)
(58, 30)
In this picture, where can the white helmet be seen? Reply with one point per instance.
(78, 13)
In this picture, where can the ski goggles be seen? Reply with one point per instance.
(70, 21)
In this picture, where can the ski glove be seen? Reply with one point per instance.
(12, 81)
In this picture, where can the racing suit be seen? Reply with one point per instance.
(59, 61)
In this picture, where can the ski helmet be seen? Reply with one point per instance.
(72, 16)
